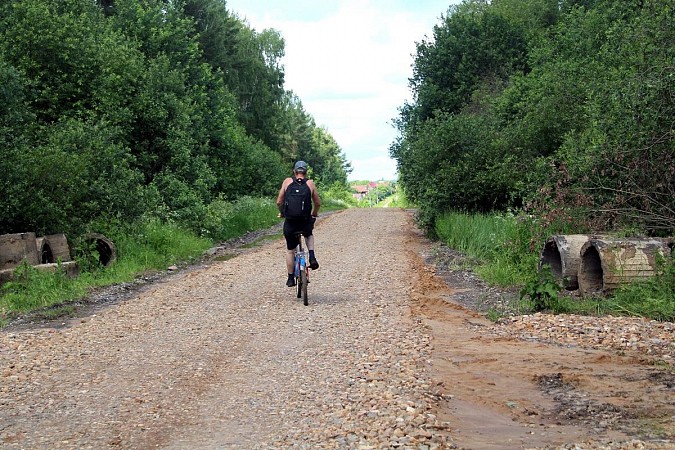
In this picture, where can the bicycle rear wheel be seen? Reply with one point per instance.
(302, 286)
(298, 285)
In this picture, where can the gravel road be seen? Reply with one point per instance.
(224, 356)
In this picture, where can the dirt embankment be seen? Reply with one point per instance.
(223, 355)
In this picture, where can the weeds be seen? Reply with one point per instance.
(493, 315)
(653, 298)
(503, 244)
(263, 239)
(399, 200)
(32, 289)
(226, 220)
(543, 292)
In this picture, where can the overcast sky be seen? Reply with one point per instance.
(349, 62)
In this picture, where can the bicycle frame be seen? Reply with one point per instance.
(301, 258)
(301, 271)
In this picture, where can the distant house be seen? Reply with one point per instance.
(361, 191)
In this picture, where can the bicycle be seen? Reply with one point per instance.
(301, 271)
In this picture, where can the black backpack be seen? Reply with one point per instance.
(298, 200)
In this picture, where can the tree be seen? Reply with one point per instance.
(471, 45)
(448, 153)
(622, 160)
(141, 107)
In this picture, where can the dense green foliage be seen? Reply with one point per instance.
(128, 109)
(563, 108)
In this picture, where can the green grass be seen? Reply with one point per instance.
(653, 298)
(396, 200)
(32, 289)
(263, 239)
(500, 242)
(142, 248)
(226, 220)
(502, 245)
(335, 198)
(333, 204)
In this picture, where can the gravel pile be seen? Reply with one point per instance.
(648, 338)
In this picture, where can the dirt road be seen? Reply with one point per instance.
(225, 356)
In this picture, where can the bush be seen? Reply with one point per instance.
(81, 175)
(335, 197)
(225, 220)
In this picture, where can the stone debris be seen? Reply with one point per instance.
(648, 338)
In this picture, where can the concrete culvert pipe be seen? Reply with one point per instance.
(18, 247)
(590, 271)
(562, 254)
(606, 264)
(104, 247)
(45, 254)
(59, 245)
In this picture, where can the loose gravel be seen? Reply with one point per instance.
(225, 356)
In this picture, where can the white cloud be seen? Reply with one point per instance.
(373, 169)
(350, 68)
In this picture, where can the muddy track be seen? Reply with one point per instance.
(507, 389)
(387, 355)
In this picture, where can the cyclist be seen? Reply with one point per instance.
(299, 203)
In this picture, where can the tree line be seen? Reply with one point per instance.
(564, 109)
(124, 109)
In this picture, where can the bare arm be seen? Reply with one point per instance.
(316, 201)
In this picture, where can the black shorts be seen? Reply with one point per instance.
(293, 226)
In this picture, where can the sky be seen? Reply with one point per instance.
(349, 62)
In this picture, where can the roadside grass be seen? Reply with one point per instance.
(395, 200)
(652, 298)
(398, 200)
(142, 248)
(501, 245)
(385, 203)
(263, 239)
(226, 220)
(336, 197)
(499, 242)
(333, 204)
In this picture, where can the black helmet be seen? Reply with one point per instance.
(300, 166)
